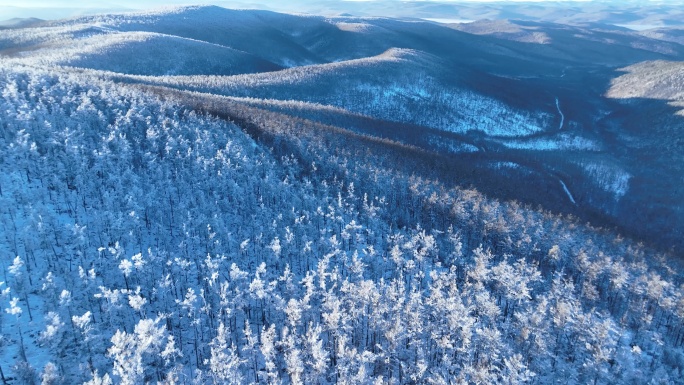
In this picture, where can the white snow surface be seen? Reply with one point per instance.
(563, 141)
(355, 27)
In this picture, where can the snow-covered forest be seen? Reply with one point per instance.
(398, 85)
(162, 226)
(144, 242)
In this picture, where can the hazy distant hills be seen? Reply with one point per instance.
(598, 42)
(675, 35)
(298, 40)
(538, 96)
(20, 23)
(636, 13)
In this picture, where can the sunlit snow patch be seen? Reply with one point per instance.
(609, 178)
(505, 165)
(560, 142)
(463, 110)
(354, 27)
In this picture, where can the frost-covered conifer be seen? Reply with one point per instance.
(225, 364)
(50, 375)
(97, 380)
(267, 346)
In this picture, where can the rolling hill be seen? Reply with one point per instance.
(144, 53)
(243, 196)
(530, 92)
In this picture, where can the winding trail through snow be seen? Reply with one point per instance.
(561, 114)
(572, 199)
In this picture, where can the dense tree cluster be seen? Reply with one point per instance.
(147, 239)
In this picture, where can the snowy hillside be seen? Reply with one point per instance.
(142, 53)
(398, 85)
(176, 207)
(652, 80)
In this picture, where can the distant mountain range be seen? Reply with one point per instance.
(634, 13)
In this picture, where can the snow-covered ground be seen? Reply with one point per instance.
(563, 141)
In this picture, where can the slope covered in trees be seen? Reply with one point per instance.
(155, 241)
(142, 53)
(290, 227)
(538, 105)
